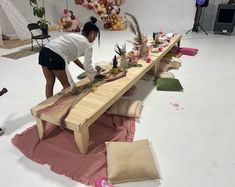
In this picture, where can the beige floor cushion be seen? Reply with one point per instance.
(166, 75)
(126, 107)
(130, 161)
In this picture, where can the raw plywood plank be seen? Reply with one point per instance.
(94, 104)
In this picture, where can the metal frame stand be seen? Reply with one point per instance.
(196, 24)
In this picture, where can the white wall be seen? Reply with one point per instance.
(170, 15)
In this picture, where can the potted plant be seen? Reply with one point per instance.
(121, 51)
(40, 13)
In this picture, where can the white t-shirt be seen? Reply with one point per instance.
(72, 46)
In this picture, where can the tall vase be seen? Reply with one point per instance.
(143, 50)
(123, 62)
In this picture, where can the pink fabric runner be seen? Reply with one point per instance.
(61, 153)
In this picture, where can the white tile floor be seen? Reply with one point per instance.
(195, 146)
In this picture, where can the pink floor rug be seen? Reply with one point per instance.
(60, 152)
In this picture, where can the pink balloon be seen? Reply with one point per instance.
(113, 11)
(63, 19)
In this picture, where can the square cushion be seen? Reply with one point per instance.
(82, 75)
(126, 107)
(166, 75)
(168, 84)
(189, 51)
(130, 161)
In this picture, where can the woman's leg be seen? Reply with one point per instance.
(62, 77)
(50, 81)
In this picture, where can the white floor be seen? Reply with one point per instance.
(195, 145)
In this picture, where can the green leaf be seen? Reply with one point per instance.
(31, 2)
(35, 10)
(43, 11)
(40, 12)
(120, 50)
(135, 65)
(154, 51)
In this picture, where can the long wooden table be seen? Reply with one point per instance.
(93, 105)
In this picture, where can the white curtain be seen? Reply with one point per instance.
(17, 20)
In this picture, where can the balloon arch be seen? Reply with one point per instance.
(108, 10)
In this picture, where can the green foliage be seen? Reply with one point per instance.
(121, 51)
(99, 77)
(135, 65)
(43, 24)
(40, 13)
(31, 2)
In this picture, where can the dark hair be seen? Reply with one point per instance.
(91, 26)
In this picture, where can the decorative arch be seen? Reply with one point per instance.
(108, 10)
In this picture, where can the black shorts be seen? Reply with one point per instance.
(51, 60)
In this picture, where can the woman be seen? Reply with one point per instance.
(56, 55)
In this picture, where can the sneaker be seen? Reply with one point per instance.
(2, 129)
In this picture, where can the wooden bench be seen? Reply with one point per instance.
(94, 104)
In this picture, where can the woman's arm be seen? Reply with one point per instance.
(78, 63)
(90, 70)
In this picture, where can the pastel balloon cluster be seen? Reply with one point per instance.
(108, 10)
(68, 22)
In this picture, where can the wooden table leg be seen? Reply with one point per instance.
(82, 139)
(178, 43)
(156, 67)
(41, 128)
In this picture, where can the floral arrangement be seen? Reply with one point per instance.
(68, 22)
(139, 41)
(108, 10)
